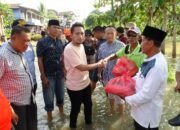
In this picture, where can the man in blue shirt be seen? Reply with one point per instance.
(106, 49)
(50, 61)
(98, 33)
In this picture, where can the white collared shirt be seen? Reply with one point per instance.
(147, 103)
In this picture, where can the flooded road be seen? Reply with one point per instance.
(102, 120)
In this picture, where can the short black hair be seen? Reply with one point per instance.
(43, 33)
(157, 43)
(120, 29)
(19, 30)
(53, 22)
(88, 32)
(98, 29)
(76, 25)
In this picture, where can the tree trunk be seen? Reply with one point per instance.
(174, 31)
(112, 8)
(150, 16)
(164, 27)
(1, 25)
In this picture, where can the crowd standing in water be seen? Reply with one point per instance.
(77, 64)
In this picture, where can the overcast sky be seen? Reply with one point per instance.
(80, 7)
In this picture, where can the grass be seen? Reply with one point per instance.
(168, 47)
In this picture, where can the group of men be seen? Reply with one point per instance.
(68, 65)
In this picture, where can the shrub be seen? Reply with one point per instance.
(36, 37)
(171, 74)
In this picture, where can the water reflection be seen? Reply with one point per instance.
(102, 120)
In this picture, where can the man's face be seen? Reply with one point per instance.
(98, 35)
(21, 41)
(132, 37)
(88, 38)
(118, 34)
(146, 45)
(110, 34)
(78, 35)
(53, 30)
(60, 33)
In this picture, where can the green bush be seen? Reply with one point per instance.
(36, 37)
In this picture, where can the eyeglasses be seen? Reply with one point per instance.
(130, 35)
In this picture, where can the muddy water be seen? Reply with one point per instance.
(102, 120)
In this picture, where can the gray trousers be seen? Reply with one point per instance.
(27, 116)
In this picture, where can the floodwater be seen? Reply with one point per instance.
(102, 120)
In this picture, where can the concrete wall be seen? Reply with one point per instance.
(17, 13)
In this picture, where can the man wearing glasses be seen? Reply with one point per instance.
(132, 51)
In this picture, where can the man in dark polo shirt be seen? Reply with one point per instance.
(98, 33)
(50, 61)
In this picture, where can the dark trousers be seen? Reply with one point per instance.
(27, 117)
(35, 88)
(139, 127)
(76, 98)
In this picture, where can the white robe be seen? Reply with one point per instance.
(147, 103)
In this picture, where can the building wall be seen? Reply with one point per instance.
(17, 13)
(27, 15)
(30, 16)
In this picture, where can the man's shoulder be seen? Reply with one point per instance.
(5, 43)
(120, 43)
(43, 40)
(3, 52)
(103, 45)
(68, 48)
(160, 60)
(101, 41)
(3, 49)
(160, 65)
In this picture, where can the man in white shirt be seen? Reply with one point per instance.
(147, 103)
(176, 120)
(77, 77)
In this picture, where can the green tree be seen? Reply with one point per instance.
(163, 14)
(43, 12)
(91, 20)
(100, 18)
(6, 17)
(51, 14)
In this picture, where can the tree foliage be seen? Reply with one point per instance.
(47, 14)
(140, 11)
(52, 14)
(163, 14)
(7, 17)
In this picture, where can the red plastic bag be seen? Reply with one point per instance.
(122, 86)
(125, 66)
(5, 111)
